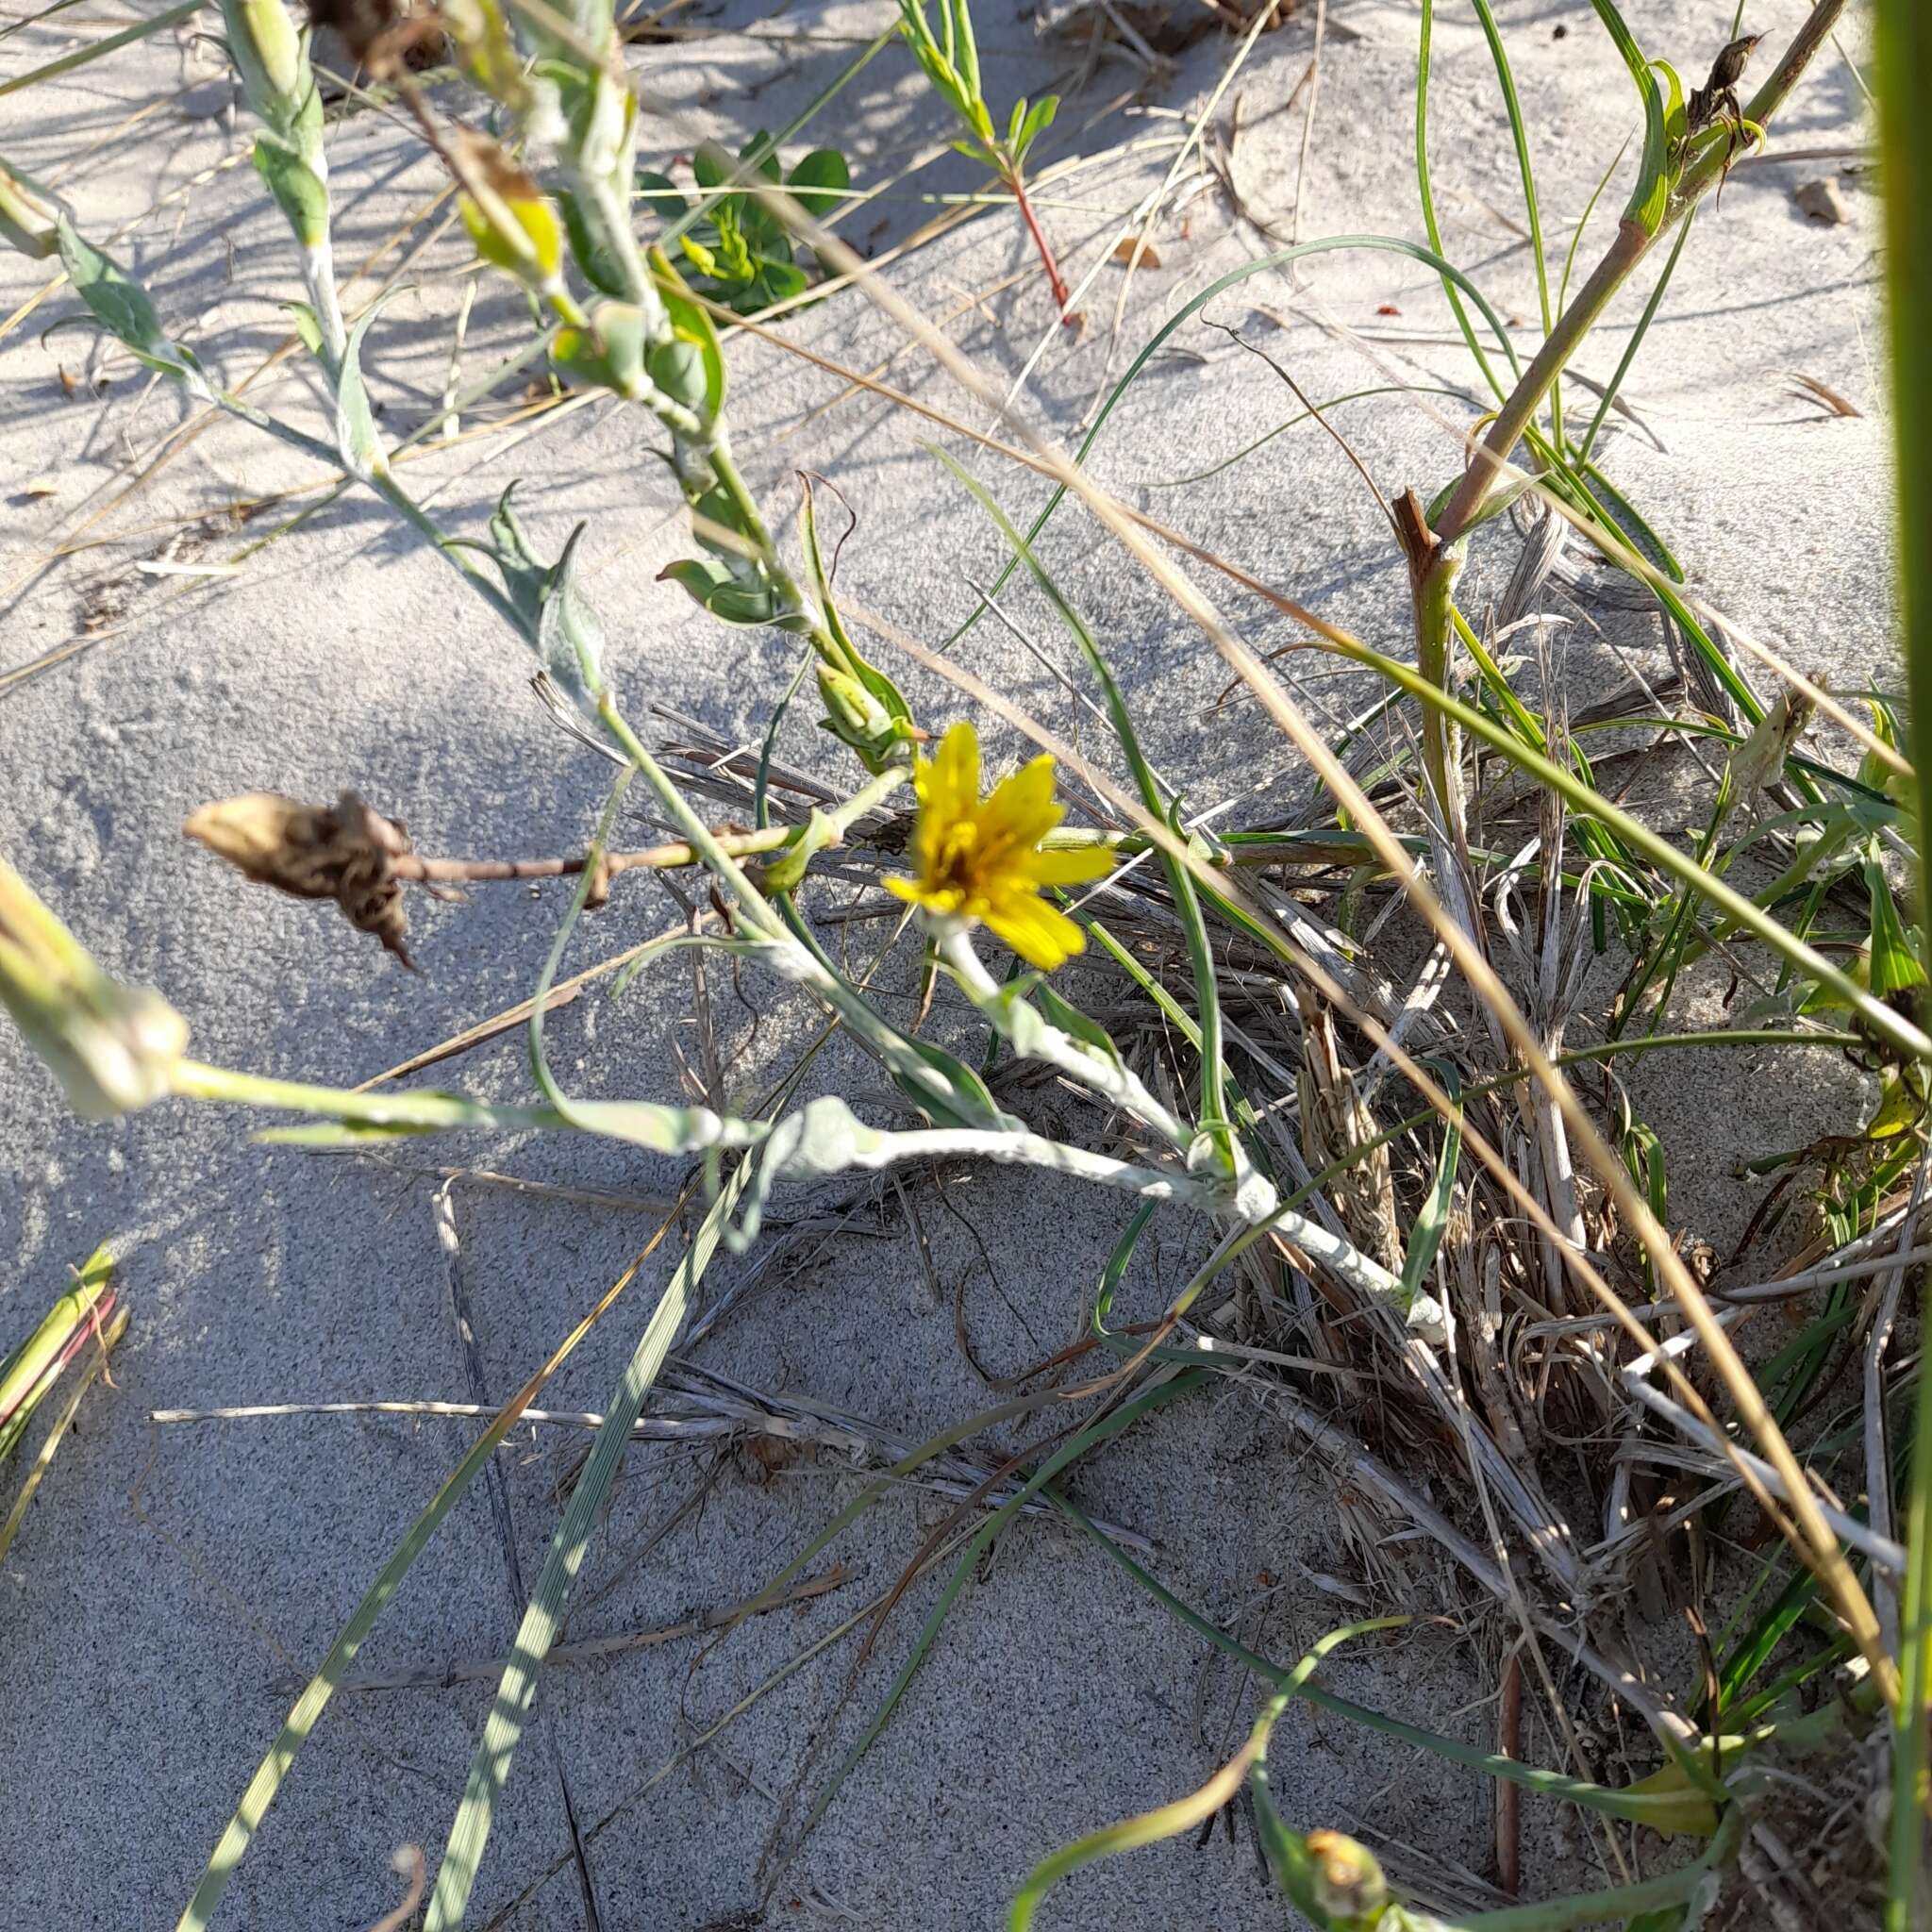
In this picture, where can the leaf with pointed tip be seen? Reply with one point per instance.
(595, 259)
(305, 326)
(1038, 119)
(873, 679)
(524, 576)
(357, 440)
(516, 1695)
(1072, 1021)
(119, 303)
(694, 326)
(570, 636)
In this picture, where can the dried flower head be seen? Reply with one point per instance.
(346, 852)
(381, 35)
(980, 858)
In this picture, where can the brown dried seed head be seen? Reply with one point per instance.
(269, 838)
(1728, 68)
(346, 852)
(382, 35)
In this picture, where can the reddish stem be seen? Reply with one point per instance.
(1017, 184)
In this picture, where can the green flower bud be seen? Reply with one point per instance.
(678, 369)
(855, 717)
(272, 60)
(610, 354)
(1347, 1885)
(508, 217)
(112, 1047)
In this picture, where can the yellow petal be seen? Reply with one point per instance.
(918, 892)
(949, 786)
(1072, 866)
(1022, 810)
(1039, 933)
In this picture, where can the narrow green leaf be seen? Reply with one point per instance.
(1650, 196)
(1432, 1223)
(309, 1707)
(113, 298)
(1895, 966)
(110, 43)
(357, 440)
(1169, 1820)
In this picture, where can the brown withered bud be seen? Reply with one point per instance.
(382, 35)
(346, 852)
(1728, 70)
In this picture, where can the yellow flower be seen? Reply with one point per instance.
(980, 858)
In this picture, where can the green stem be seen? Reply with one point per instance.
(1632, 244)
(385, 485)
(1896, 1031)
(193, 1080)
(1621, 1902)
(1485, 468)
(1905, 58)
(1034, 1038)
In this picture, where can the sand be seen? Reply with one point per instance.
(174, 1584)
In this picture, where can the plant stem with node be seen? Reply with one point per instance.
(1016, 185)
(1435, 553)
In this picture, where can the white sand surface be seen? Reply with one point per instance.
(173, 1586)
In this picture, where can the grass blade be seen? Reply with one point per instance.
(1387, 244)
(1429, 199)
(1169, 1821)
(1180, 880)
(69, 1407)
(1069, 1452)
(82, 57)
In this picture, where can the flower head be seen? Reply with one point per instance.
(980, 858)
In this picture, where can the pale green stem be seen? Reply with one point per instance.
(193, 1080)
(1034, 1150)
(1040, 1040)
